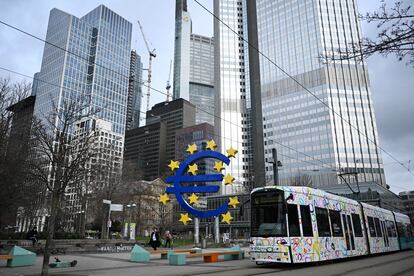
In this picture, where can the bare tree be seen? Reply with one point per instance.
(61, 156)
(395, 35)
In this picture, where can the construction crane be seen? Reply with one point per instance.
(168, 86)
(151, 56)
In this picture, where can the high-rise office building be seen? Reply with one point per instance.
(199, 135)
(182, 51)
(145, 149)
(134, 91)
(202, 77)
(176, 115)
(238, 101)
(94, 64)
(86, 60)
(151, 147)
(313, 142)
(35, 84)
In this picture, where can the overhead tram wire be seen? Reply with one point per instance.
(215, 135)
(159, 91)
(302, 86)
(154, 89)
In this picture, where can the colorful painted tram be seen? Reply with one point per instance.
(292, 224)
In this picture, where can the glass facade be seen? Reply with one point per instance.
(232, 122)
(100, 38)
(202, 77)
(134, 92)
(182, 51)
(294, 34)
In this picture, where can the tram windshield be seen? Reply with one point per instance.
(268, 214)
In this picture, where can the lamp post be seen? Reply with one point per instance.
(276, 164)
(129, 206)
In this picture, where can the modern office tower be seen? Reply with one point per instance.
(317, 144)
(176, 115)
(199, 135)
(145, 149)
(152, 146)
(182, 51)
(35, 84)
(202, 77)
(93, 66)
(237, 101)
(134, 91)
(86, 60)
(105, 166)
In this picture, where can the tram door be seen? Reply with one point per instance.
(349, 235)
(384, 231)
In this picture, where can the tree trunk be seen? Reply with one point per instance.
(50, 234)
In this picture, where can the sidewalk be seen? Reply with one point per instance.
(119, 264)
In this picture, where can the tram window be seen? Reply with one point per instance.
(336, 223)
(293, 219)
(356, 221)
(323, 222)
(371, 226)
(378, 227)
(306, 221)
(389, 226)
(401, 230)
(268, 214)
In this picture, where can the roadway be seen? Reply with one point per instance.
(395, 264)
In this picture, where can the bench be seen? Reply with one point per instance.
(166, 253)
(19, 256)
(208, 257)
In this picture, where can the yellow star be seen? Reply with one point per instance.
(231, 152)
(228, 179)
(218, 166)
(191, 148)
(184, 218)
(226, 217)
(174, 165)
(193, 169)
(234, 201)
(211, 145)
(164, 198)
(193, 198)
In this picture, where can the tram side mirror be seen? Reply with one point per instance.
(290, 197)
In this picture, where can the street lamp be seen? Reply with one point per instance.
(276, 164)
(129, 220)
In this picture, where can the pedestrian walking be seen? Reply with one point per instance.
(33, 236)
(168, 239)
(155, 239)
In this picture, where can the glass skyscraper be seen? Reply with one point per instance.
(314, 144)
(89, 65)
(202, 77)
(182, 51)
(237, 97)
(95, 64)
(134, 92)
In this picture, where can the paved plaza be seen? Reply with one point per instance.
(396, 264)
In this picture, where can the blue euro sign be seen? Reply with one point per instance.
(179, 177)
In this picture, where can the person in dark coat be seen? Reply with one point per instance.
(32, 235)
(155, 239)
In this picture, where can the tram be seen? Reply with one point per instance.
(293, 224)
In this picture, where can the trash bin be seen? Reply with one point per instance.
(204, 243)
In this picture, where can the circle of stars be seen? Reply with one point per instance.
(193, 170)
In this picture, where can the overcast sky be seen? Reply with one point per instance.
(392, 82)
